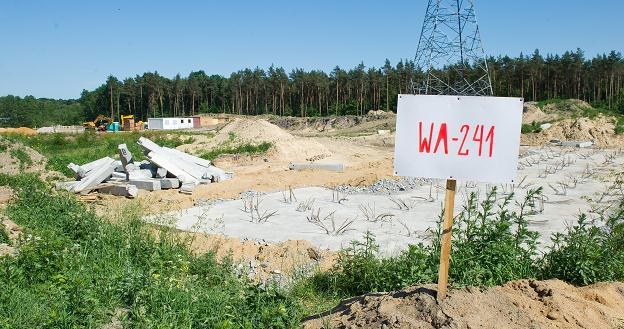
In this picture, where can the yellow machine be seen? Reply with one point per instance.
(99, 123)
(128, 124)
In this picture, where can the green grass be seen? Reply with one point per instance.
(22, 157)
(246, 148)
(74, 269)
(534, 127)
(543, 103)
(619, 125)
(4, 238)
(62, 149)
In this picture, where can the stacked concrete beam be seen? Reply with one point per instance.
(95, 177)
(166, 168)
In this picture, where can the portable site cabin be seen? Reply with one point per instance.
(173, 123)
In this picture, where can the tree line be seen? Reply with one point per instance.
(598, 80)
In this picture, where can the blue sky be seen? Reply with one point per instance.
(57, 48)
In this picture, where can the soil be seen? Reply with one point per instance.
(20, 131)
(517, 304)
(599, 130)
(286, 147)
(338, 126)
(532, 113)
(10, 165)
(13, 231)
(266, 259)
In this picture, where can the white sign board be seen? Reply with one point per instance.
(458, 137)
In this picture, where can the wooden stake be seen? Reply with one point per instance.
(447, 233)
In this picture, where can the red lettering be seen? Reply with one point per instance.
(478, 137)
(442, 136)
(424, 143)
(461, 147)
(490, 138)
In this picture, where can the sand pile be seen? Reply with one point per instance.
(286, 147)
(11, 165)
(532, 113)
(599, 130)
(518, 304)
(20, 130)
(568, 106)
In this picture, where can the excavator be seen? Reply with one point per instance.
(99, 123)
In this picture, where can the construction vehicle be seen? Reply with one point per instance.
(99, 123)
(128, 124)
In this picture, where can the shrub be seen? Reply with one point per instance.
(492, 243)
(588, 252)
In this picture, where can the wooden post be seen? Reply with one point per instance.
(447, 233)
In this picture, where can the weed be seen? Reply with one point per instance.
(247, 148)
(588, 252)
(4, 238)
(74, 269)
(22, 157)
(534, 127)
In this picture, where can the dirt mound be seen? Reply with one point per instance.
(380, 113)
(16, 158)
(20, 131)
(342, 125)
(286, 147)
(568, 106)
(599, 130)
(532, 113)
(518, 304)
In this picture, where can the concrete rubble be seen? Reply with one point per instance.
(164, 168)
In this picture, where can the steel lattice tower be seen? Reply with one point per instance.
(450, 39)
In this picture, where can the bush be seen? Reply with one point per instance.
(491, 243)
(588, 252)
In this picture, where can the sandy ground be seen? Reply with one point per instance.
(517, 304)
(572, 180)
(368, 158)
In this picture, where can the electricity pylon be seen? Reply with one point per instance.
(450, 52)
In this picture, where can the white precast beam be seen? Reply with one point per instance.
(187, 157)
(126, 190)
(172, 167)
(95, 177)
